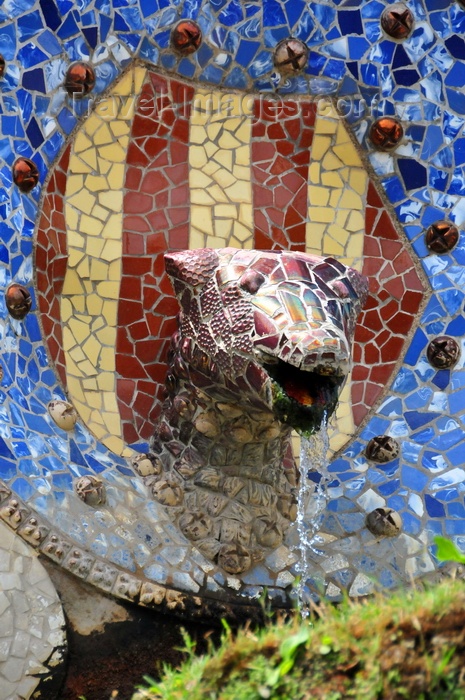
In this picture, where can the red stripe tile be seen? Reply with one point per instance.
(51, 257)
(156, 219)
(282, 133)
(396, 292)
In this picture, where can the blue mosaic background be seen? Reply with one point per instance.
(420, 80)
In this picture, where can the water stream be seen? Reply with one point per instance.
(311, 505)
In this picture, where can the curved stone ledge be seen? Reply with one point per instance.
(110, 579)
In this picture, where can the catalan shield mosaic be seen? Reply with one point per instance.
(134, 129)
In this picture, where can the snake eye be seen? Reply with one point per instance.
(251, 281)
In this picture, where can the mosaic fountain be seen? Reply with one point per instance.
(330, 137)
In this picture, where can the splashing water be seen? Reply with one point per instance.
(311, 504)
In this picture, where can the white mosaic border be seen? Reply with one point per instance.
(32, 624)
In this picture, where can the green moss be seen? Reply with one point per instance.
(407, 645)
(305, 419)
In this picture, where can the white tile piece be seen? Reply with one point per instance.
(4, 560)
(4, 602)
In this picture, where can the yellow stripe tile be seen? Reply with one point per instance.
(99, 212)
(94, 183)
(103, 135)
(219, 175)
(81, 142)
(90, 158)
(90, 225)
(90, 384)
(72, 284)
(89, 302)
(114, 153)
(337, 190)
(83, 200)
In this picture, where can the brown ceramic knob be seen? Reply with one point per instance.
(80, 79)
(147, 464)
(195, 525)
(386, 133)
(384, 522)
(443, 352)
(234, 559)
(186, 37)
(63, 413)
(442, 237)
(168, 492)
(25, 174)
(382, 449)
(397, 21)
(91, 490)
(291, 55)
(18, 301)
(267, 531)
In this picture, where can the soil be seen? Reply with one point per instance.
(111, 664)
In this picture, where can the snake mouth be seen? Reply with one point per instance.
(302, 398)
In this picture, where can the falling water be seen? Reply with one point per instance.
(311, 504)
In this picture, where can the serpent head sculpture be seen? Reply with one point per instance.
(263, 347)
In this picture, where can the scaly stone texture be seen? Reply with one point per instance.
(263, 347)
